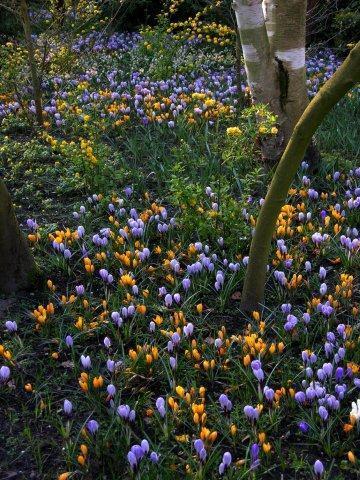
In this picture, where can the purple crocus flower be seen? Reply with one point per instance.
(173, 363)
(200, 449)
(341, 352)
(162, 291)
(92, 426)
(175, 338)
(80, 290)
(286, 308)
(254, 456)
(322, 273)
(145, 446)
(251, 412)
(11, 326)
(67, 407)
(69, 341)
(111, 390)
(324, 414)
(269, 393)
(291, 322)
(32, 225)
(300, 397)
(125, 412)
(313, 194)
(132, 460)
(188, 329)
(115, 316)
(128, 191)
(341, 330)
(4, 373)
(225, 403)
(256, 365)
(106, 276)
(168, 300)
(85, 362)
(226, 462)
(318, 468)
(303, 427)
(199, 445)
(110, 365)
(67, 254)
(154, 457)
(257, 370)
(227, 458)
(160, 405)
(186, 284)
(328, 369)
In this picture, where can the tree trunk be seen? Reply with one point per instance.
(25, 19)
(241, 94)
(273, 36)
(17, 265)
(286, 33)
(346, 77)
(261, 67)
(286, 29)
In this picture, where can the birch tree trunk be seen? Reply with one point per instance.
(25, 19)
(286, 33)
(17, 265)
(346, 77)
(273, 36)
(261, 67)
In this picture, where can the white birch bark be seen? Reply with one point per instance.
(260, 65)
(286, 21)
(272, 34)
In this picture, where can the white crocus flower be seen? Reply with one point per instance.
(355, 410)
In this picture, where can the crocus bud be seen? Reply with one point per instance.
(318, 468)
(67, 407)
(92, 426)
(4, 373)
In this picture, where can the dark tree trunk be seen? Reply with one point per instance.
(17, 265)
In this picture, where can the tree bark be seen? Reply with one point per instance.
(241, 94)
(346, 77)
(273, 36)
(261, 67)
(286, 32)
(25, 19)
(17, 265)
